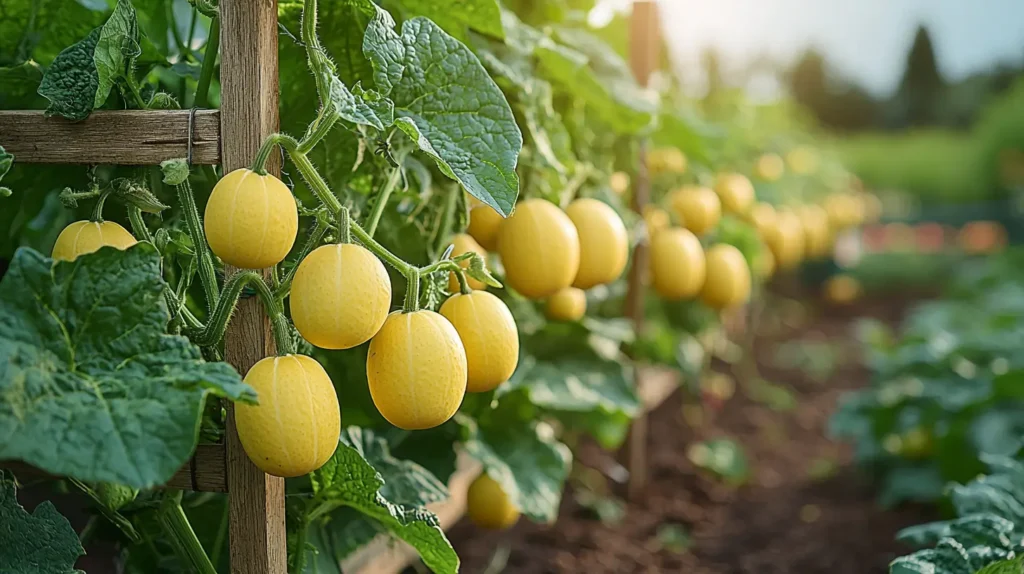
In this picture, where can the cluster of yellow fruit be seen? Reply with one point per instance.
(420, 364)
(679, 266)
(681, 269)
(553, 254)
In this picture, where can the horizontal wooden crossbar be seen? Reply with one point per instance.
(205, 471)
(123, 137)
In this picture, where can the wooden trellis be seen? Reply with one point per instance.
(231, 137)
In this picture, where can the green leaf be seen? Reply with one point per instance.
(526, 460)
(82, 75)
(6, 161)
(723, 457)
(175, 171)
(455, 16)
(364, 475)
(42, 542)
(577, 385)
(20, 83)
(91, 385)
(449, 106)
(1014, 566)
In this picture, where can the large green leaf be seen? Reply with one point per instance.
(91, 384)
(527, 461)
(578, 384)
(82, 75)
(449, 106)
(364, 475)
(42, 542)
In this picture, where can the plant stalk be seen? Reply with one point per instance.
(382, 201)
(179, 531)
(202, 97)
(207, 273)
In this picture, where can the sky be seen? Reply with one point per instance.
(865, 40)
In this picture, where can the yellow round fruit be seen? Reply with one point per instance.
(340, 296)
(698, 208)
(464, 244)
(764, 218)
(728, 278)
(569, 304)
(488, 506)
(802, 160)
(786, 240)
(619, 182)
(484, 223)
(842, 289)
(677, 264)
(837, 207)
(656, 219)
(251, 220)
(736, 193)
(769, 167)
(416, 370)
(83, 237)
(540, 249)
(295, 427)
(489, 336)
(604, 244)
(666, 160)
(817, 235)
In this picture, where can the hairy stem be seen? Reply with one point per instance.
(139, 229)
(412, 291)
(382, 201)
(179, 532)
(97, 212)
(207, 273)
(299, 558)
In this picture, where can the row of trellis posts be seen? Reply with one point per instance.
(231, 137)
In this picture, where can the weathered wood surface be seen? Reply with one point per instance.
(249, 102)
(123, 137)
(643, 58)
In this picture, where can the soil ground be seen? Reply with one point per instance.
(804, 510)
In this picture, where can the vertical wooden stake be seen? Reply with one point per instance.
(643, 55)
(249, 102)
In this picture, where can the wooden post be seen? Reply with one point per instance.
(249, 102)
(643, 55)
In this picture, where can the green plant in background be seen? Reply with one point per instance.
(987, 537)
(947, 389)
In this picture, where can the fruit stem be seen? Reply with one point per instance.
(207, 273)
(382, 201)
(97, 212)
(259, 163)
(344, 226)
(412, 291)
(179, 531)
(379, 250)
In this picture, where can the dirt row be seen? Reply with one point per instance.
(805, 509)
